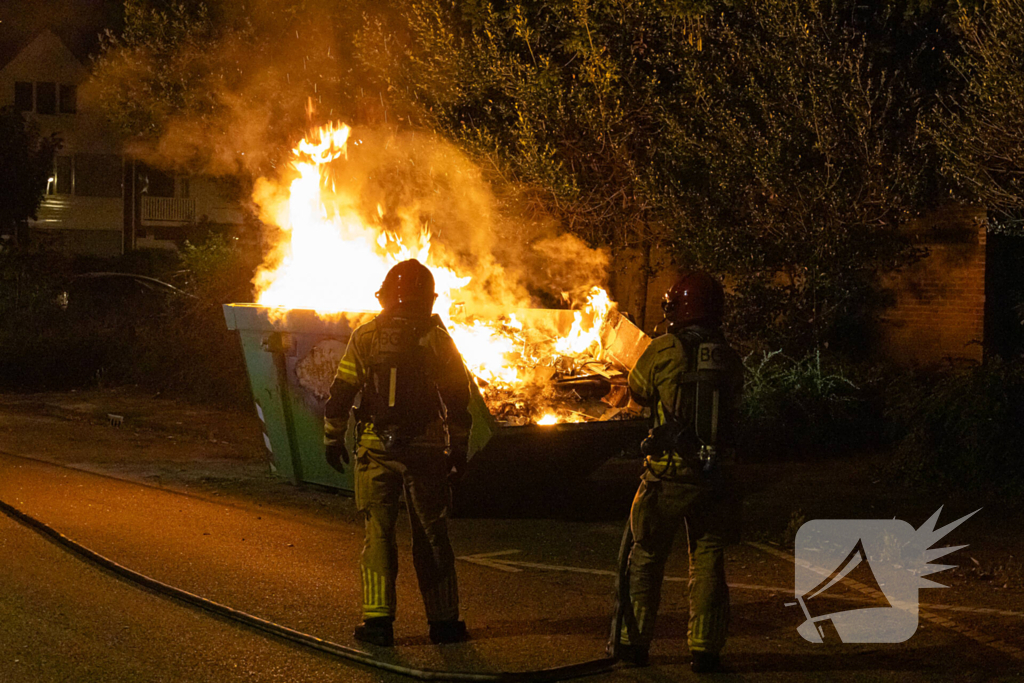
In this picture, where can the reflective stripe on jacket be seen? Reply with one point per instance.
(656, 382)
(452, 385)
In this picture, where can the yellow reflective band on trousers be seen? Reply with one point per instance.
(706, 632)
(660, 510)
(369, 440)
(380, 481)
(378, 595)
(640, 614)
(441, 601)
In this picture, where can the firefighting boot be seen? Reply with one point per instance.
(704, 662)
(450, 631)
(637, 655)
(376, 631)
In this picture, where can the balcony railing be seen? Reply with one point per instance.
(168, 210)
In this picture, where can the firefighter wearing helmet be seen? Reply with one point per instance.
(691, 379)
(412, 433)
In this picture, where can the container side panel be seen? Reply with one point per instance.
(263, 378)
(310, 374)
(308, 425)
(229, 316)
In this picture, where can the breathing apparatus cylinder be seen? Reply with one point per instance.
(400, 394)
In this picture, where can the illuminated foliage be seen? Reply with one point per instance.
(566, 98)
(981, 128)
(795, 158)
(774, 141)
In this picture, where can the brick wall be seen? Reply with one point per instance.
(939, 309)
(624, 283)
(939, 302)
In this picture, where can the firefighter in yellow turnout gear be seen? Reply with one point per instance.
(691, 379)
(412, 432)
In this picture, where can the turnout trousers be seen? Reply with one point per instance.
(659, 509)
(380, 480)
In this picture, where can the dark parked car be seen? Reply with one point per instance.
(116, 296)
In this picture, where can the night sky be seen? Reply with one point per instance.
(77, 22)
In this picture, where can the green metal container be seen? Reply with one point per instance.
(291, 357)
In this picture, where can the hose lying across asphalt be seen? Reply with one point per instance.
(555, 674)
(622, 613)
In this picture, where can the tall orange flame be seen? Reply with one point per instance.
(332, 260)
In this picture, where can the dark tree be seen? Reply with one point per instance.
(774, 141)
(793, 154)
(224, 86)
(26, 163)
(981, 127)
(566, 97)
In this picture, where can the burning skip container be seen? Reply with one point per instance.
(291, 358)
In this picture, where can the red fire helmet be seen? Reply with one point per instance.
(410, 285)
(695, 297)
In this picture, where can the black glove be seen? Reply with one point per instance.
(336, 454)
(457, 458)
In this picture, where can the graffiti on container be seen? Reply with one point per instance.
(316, 370)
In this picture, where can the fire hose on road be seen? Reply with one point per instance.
(622, 613)
(312, 642)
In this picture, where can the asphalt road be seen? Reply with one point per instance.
(536, 592)
(63, 620)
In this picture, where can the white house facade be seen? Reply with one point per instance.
(83, 211)
(99, 202)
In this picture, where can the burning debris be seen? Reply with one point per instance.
(555, 372)
(531, 365)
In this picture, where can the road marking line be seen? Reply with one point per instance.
(483, 559)
(514, 566)
(974, 610)
(974, 635)
(934, 606)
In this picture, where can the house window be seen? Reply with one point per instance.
(158, 183)
(46, 98)
(23, 96)
(97, 175)
(61, 175)
(68, 99)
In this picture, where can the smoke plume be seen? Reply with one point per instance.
(230, 90)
